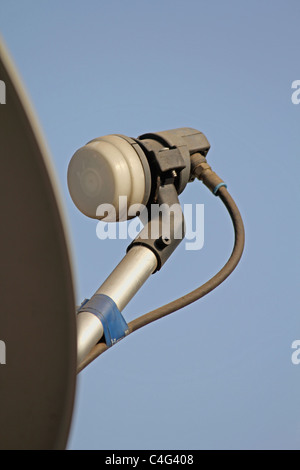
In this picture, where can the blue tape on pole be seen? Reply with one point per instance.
(114, 325)
(216, 189)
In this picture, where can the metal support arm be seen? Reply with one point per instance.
(146, 254)
(121, 286)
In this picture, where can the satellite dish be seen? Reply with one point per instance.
(37, 315)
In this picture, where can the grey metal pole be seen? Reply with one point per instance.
(121, 286)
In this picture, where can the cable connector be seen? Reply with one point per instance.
(203, 171)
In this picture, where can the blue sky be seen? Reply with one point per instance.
(218, 374)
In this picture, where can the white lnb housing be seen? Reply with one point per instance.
(103, 170)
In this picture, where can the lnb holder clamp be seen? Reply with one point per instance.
(169, 157)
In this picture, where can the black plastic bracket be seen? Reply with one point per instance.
(164, 227)
(171, 151)
(169, 157)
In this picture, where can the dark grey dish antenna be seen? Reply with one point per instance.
(37, 307)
